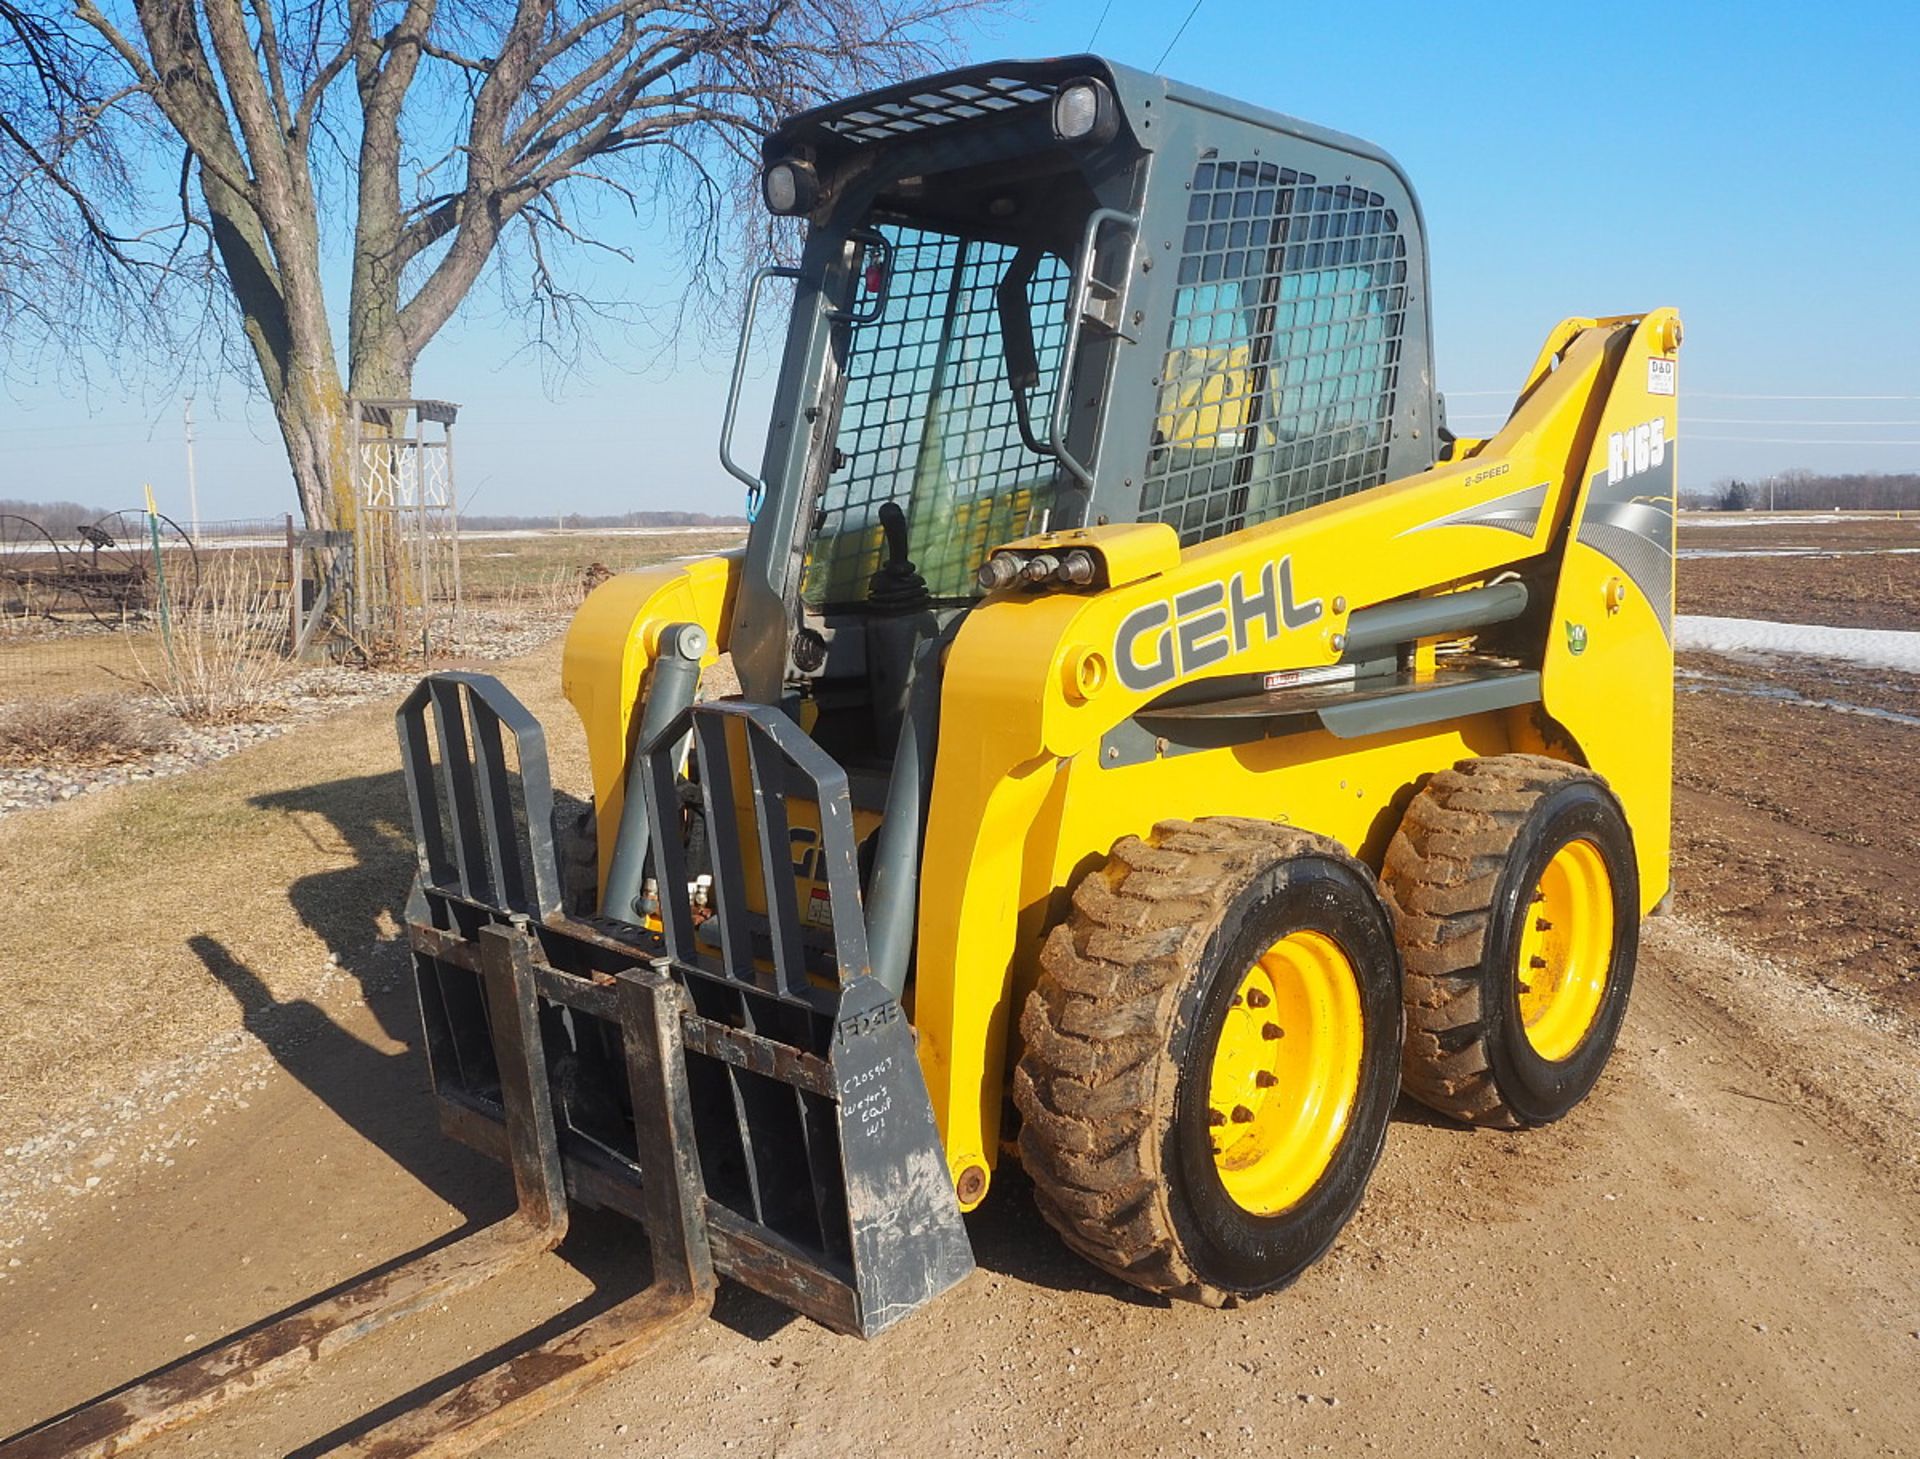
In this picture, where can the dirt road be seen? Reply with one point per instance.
(1717, 1255)
(212, 1111)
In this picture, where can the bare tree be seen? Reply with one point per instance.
(438, 137)
(61, 260)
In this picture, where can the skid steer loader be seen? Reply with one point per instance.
(1159, 741)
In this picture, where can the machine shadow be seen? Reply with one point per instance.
(386, 1098)
(354, 909)
(1012, 1239)
(355, 905)
(1409, 1111)
(382, 1096)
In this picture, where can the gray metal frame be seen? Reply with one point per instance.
(805, 1158)
(1105, 412)
(1187, 124)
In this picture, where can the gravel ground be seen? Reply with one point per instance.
(304, 696)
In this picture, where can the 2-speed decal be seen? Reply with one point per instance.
(1517, 512)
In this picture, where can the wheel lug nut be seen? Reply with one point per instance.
(1525, 987)
(1272, 1031)
(1266, 1078)
(1242, 1115)
(1215, 1118)
(1539, 962)
(1257, 999)
(1541, 924)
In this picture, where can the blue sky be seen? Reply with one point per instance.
(1756, 165)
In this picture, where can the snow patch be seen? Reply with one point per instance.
(1693, 681)
(1877, 648)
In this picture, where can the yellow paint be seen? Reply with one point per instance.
(1285, 1072)
(610, 647)
(1025, 796)
(1615, 697)
(1207, 392)
(1022, 803)
(1565, 949)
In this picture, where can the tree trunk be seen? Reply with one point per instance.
(275, 272)
(312, 413)
(302, 381)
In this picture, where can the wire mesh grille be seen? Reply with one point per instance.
(963, 101)
(928, 418)
(1278, 387)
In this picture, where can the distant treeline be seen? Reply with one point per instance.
(1805, 491)
(578, 521)
(57, 519)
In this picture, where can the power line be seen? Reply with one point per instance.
(1795, 441)
(1178, 33)
(1718, 395)
(1099, 23)
(1728, 420)
(1722, 420)
(1700, 395)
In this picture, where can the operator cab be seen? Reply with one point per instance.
(1235, 297)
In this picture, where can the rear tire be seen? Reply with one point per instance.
(1512, 1013)
(1172, 1139)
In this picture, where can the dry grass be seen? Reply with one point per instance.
(493, 568)
(558, 590)
(295, 850)
(221, 660)
(94, 729)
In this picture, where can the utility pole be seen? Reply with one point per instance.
(193, 485)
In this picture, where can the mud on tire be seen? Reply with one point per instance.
(1458, 874)
(1112, 1083)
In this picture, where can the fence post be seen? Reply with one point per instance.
(160, 579)
(296, 579)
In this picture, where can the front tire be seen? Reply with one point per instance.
(1211, 1056)
(1516, 900)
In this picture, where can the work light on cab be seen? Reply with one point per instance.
(790, 187)
(1083, 111)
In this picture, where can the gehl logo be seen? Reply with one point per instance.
(1168, 640)
(1631, 452)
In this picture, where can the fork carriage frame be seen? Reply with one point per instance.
(805, 1163)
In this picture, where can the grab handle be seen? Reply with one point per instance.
(756, 488)
(1077, 315)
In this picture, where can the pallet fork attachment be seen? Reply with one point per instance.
(810, 1157)
(757, 1105)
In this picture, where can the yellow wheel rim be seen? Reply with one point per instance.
(1285, 1072)
(1566, 945)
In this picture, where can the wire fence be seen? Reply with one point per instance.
(132, 600)
(137, 603)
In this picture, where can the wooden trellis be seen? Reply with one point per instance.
(406, 560)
